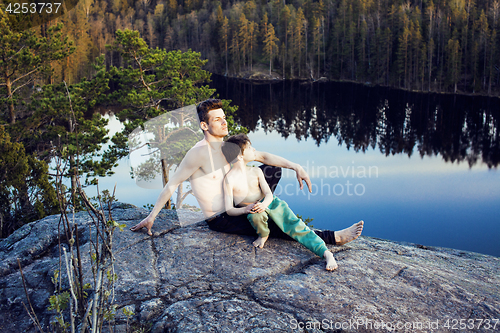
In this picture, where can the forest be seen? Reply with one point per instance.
(420, 45)
(150, 56)
(52, 133)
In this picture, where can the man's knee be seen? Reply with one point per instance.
(272, 174)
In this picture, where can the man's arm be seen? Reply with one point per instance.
(275, 160)
(190, 163)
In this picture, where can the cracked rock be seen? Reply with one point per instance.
(187, 278)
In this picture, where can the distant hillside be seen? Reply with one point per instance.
(446, 46)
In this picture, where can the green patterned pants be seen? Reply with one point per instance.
(291, 225)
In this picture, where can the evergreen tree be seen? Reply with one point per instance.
(224, 39)
(155, 82)
(24, 57)
(25, 191)
(300, 31)
(453, 62)
(270, 46)
(244, 38)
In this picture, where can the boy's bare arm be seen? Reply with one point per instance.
(229, 200)
(259, 207)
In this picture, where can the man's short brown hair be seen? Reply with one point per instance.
(234, 145)
(205, 107)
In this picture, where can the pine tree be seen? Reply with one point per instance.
(270, 46)
(316, 25)
(453, 62)
(285, 23)
(25, 192)
(225, 39)
(403, 56)
(244, 38)
(24, 57)
(300, 31)
(155, 82)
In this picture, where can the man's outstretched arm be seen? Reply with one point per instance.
(188, 166)
(275, 160)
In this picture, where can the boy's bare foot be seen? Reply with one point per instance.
(348, 234)
(331, 264)
(259, 242)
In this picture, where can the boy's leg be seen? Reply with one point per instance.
(239, 224)
(286, 219)
(259, 222)
(273, 176)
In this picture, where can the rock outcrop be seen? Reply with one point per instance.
(187, 278)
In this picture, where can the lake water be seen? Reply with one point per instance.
(419, 168)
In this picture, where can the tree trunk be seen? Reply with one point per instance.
(164, 169)
(12, 113)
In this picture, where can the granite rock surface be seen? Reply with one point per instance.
(187, 278)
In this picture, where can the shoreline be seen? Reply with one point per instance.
(259, 78)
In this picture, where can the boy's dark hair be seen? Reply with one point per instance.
(205, 107)
(234, 145)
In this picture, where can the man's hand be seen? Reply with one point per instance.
(271, 159)
(303, 176)
(147, 222)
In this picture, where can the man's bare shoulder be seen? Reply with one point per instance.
(201, 143)
(197, 154)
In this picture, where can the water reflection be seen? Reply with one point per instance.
(459, 128)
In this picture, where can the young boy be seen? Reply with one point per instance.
(247, 188)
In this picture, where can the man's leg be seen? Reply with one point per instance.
(272, 175)
(231, 224)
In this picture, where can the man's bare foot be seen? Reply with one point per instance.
(259, 242)
(146, 223)
(348, 234)
(331, 264)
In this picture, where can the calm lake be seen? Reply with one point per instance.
(419, 168)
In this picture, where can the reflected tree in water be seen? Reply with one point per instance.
(459, 128)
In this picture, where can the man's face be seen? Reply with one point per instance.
(217, 125)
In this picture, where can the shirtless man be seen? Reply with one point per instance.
(246, 187)
(205, 166)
